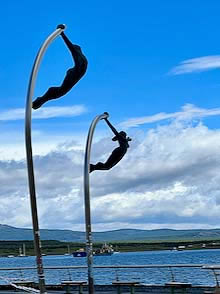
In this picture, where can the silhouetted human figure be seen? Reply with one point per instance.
(117, 154)
(73, 75)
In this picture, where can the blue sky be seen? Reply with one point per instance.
(130, 49)
(155, 67)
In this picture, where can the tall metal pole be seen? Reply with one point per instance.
(89, 245)
(36, 231)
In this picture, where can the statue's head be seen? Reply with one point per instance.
(122, 133)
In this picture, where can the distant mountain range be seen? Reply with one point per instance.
(17, 234)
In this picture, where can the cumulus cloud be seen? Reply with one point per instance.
(197, 65)
(44, 112)
(58, 178)
(188, 112)
(170, 177)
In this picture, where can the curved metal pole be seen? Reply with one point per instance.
(89, 246)
(36, 231)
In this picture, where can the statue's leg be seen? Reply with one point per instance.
(70, 80)
(73, 75)
(113, 159)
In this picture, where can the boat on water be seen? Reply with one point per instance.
(68, 251)
(79, 253)
(22, 253)
(105, 250)
(181, 248)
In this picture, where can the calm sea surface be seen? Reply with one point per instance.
(106, 276)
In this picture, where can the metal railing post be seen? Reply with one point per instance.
(89, 245)
(36, 231)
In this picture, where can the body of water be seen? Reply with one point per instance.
(195, 276)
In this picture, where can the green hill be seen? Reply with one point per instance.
(17, 234)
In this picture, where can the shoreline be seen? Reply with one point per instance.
(53, 247)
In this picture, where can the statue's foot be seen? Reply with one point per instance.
(91, 169)
(37, 103)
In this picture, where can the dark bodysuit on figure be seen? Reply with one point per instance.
(73, 75)
(117, 154)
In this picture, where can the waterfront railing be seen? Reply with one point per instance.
(196, 274)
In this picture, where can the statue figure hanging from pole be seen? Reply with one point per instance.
(73, 75)
(117, 154)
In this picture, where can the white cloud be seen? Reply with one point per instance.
(188, 112)
(44, 112)
(170, 177)
(197, 65)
